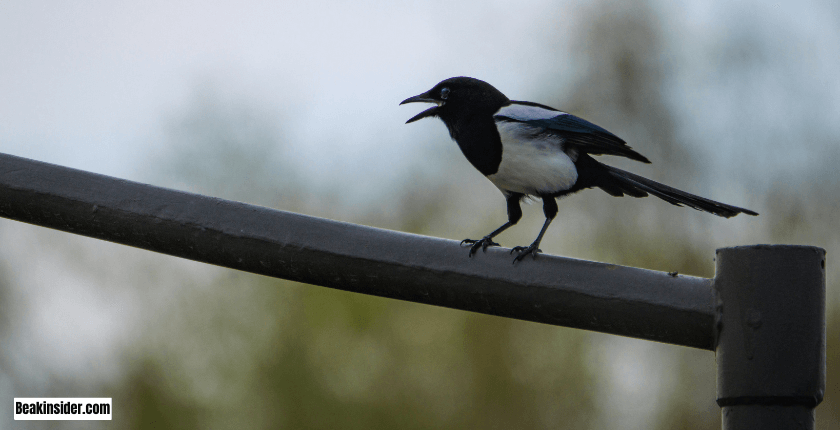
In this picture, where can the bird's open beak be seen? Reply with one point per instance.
(422, 98)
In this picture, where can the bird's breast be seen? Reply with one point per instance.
(479, 141)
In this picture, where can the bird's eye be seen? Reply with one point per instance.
(444, 93)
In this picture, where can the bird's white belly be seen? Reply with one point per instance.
(532, 166)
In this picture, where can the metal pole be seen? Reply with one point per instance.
(603, 297)
(770, 336)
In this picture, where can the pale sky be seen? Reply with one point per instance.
(90, 84)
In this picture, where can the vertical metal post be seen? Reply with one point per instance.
(770, 335)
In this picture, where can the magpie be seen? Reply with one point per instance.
(531, 150)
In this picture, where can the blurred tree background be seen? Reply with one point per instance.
(213, 348)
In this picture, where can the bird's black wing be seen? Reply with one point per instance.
(576, 132)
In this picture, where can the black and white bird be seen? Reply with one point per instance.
(528, 149)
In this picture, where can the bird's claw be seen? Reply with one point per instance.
(482, 243)
(525, 250)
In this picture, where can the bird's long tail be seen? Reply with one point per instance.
(618, 182)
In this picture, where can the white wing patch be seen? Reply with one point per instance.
(527, 113)
(532, 164)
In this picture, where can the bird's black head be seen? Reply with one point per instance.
(459, 97)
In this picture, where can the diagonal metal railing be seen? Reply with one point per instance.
(561, 291)
(763, 314)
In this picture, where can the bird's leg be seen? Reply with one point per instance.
(514, 215)
(550, 210)
(533, 248)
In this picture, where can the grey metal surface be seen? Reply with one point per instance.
(768, 417)
(552, 290)
(771, 337)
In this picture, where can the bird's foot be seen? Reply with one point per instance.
(525, 250)
(482, 243)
